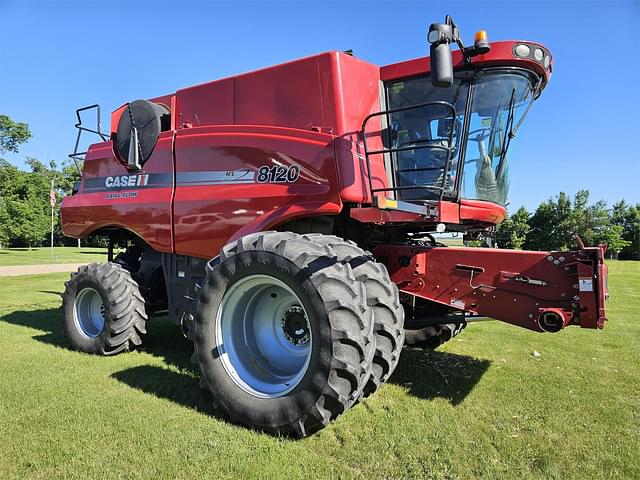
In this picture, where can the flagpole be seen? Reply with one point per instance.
(51, 201)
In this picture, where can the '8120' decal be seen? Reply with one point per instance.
(278, 174)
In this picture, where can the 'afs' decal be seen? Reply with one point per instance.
(126, 181)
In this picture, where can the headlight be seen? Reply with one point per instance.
(522, 50)
(533, 52)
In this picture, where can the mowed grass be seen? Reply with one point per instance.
(481, 407)
(38, 256)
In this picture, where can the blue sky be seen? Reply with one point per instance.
(584, 132)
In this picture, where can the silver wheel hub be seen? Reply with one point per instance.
(263, 336)
(89, 312)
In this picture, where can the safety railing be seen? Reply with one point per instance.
(395, 189)
(76, 155)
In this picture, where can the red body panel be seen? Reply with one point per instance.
(509, 285)
(479, 211)
(306, 113)
(148, 214)
(209, 213)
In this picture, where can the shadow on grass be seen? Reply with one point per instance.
(430, 374)
(59, 294)
(425, 374)
(177, 387)
(47, 320)
(163, 340)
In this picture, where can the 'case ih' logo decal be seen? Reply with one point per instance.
(126, 181)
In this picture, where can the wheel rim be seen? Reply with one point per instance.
(88, 312)
(263, 336)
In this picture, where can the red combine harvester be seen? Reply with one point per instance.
(284, 219)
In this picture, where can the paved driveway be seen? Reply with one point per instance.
(38, 269)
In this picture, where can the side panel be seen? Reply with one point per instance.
(514, 286)
(210, 104)
(110, 195)
(357, 94)
(221, 194)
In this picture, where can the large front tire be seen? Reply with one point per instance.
(104, 312)
(282, 334)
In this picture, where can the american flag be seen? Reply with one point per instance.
(52, 198)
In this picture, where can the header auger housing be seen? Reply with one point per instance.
(283, 219)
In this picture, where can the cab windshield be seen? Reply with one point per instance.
(428, 139)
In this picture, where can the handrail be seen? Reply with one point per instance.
(448, 150)
(76, 155)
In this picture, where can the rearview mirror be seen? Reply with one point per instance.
(441, 65)
(440, 36)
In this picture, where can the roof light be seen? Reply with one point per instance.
(481, 42)
(480, 36)
(533, 52)
(523, 50)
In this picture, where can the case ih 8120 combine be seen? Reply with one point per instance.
(284, 219)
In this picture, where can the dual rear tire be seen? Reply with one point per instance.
(292, 330)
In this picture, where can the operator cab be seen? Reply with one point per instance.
(443, 139)
(448, 122)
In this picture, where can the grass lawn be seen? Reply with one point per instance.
(481, 407)
(38, 256)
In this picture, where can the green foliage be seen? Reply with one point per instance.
(612, 236)
(12, 134)
(556, 222)
(25, 210)
(549, 226)
(512, 233)
(628, 217)
(589, 221)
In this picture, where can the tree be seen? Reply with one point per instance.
(12, 134)
(551, 225)
(628, 217)
(5, 176)
(24, 210)
(590, 221)
(612, 236)
(512, 233)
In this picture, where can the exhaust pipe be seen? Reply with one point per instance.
(552, 320)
